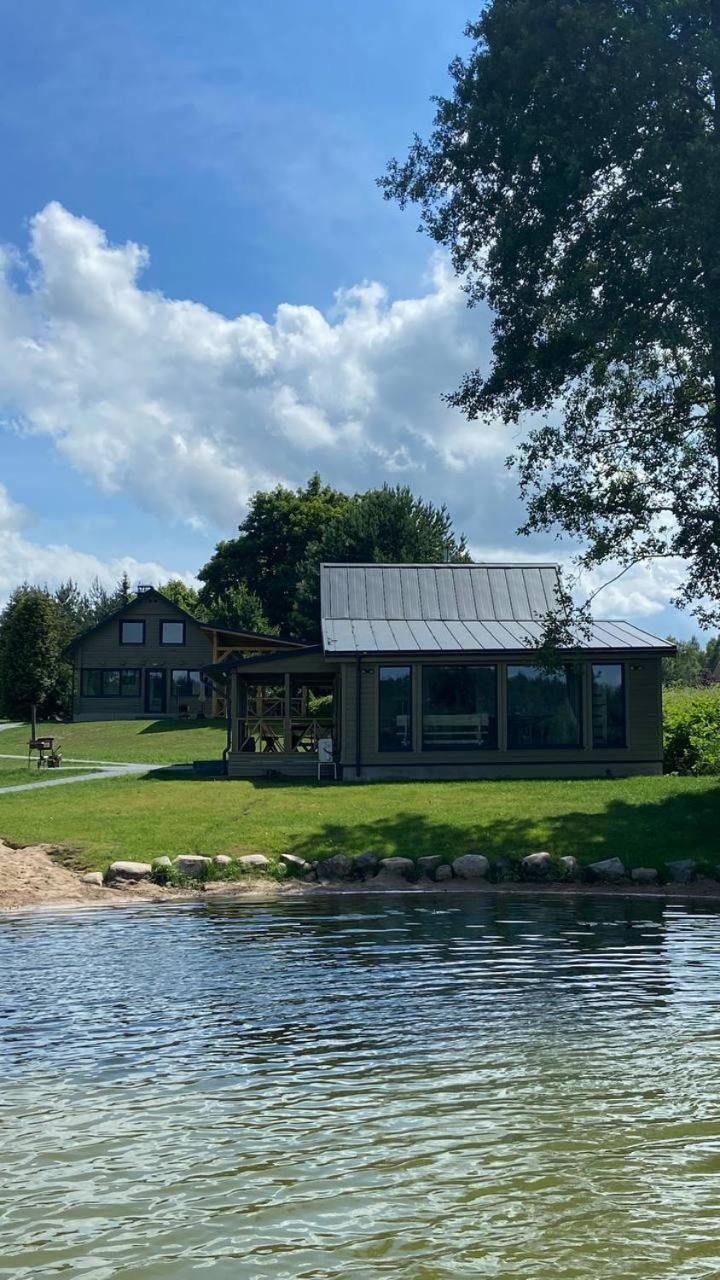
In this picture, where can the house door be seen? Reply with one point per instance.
(156, 692)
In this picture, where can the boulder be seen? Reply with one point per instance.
(644, 875)
(222, 860)
(254, 861)
(443, 872)
(536, 866)
(164, 861)
(608, 869)
(366, 863)
(128, 871)
(336, 867)
(429, 864)
(92, 877)
(682, 871)
(397, 869)
(471, 866)
(192, 865)
(569, 868)
(294, 864)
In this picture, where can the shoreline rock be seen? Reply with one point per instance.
(128, 871)
(608, 870)
(471, 866)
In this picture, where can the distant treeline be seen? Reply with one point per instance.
(693, 665)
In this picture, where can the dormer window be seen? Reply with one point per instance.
(172, 632)
(132, 632)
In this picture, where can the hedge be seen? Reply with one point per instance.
(691, 724)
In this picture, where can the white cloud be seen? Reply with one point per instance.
(641, 592)
(22, 560)
(189, 412)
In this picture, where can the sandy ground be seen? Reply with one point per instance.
(32, 876)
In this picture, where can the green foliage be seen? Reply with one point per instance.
(268, 578)
(692, 730)
(265, 559)
(574, 175)
(692, 665)
(386, 525)
(184, 597)
(213, 873)
(34, 629)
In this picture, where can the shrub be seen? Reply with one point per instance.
(691, 725)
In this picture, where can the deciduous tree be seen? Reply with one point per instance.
(574, 175)
(34, 629)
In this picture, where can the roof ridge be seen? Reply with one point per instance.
(439, 564)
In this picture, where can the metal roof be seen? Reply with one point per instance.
(451, 608)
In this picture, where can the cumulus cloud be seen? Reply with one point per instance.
(190, 411)
(186, 411)
(22, 560)
(640, 592)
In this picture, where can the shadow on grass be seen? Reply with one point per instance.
(684, 826)
(643, 833)
(173, 726)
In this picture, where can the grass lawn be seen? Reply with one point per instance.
(644, 821)
(130, 741)
(15, 772)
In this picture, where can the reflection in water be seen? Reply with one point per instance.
(355, 1086)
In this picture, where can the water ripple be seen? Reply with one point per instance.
(353, 1088)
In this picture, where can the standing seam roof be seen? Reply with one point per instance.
(450, 607)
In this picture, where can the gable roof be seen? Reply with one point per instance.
(405, 608)
(153, 594)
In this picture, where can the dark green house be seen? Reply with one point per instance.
(427, 671)
(147, 660)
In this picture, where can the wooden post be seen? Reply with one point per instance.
(287, 723)
(33, 722)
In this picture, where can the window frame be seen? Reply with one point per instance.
(624, 685)
(132, 644)
(468, 666)
(187, 671)
(173, 644)
(101, 671)
(580, 745)
(410, 748)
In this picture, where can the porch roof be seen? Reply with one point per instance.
(221, 670)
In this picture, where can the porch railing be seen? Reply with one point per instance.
(273, 735)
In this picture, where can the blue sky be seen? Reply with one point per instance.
(204, 291)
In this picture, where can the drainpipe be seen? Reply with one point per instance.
(228, 716)
(358, 726)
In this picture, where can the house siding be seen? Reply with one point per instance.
(102, 649)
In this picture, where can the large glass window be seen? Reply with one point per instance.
(129, 683)
(186, 684)
(459, 708)
(544, 707)
(110, 682)
(172, 632)
(91, 684)
(132, 632)
(395, 708)
(608, 704)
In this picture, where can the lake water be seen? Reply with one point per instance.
(361, 1086)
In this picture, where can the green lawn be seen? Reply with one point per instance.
(644, 821)
(15, 772)
(131, 741)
